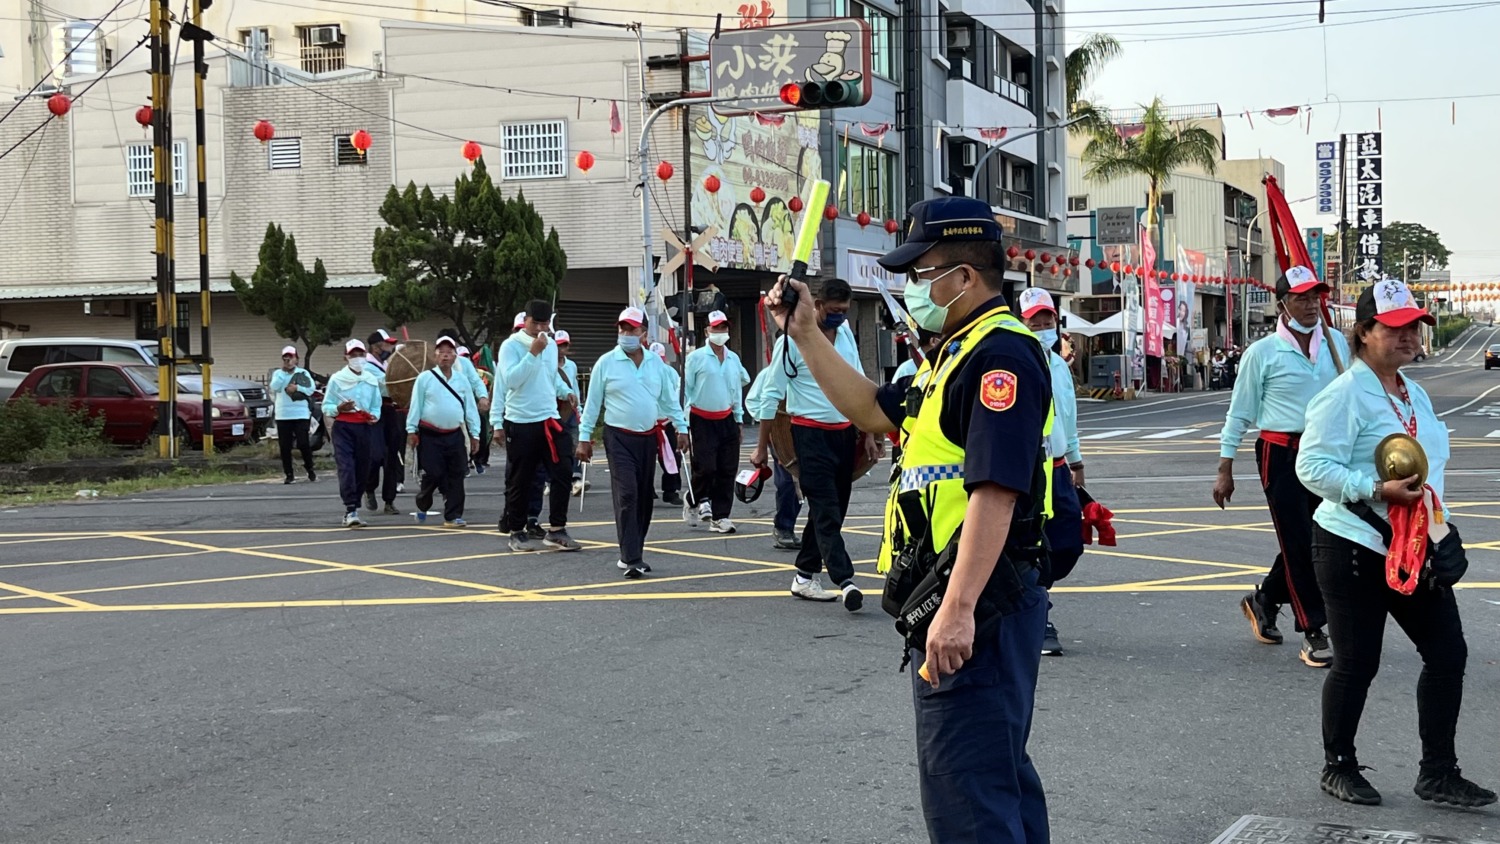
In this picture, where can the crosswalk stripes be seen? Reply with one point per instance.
(1168, 434)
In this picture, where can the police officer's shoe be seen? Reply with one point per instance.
(645, 566)
(534, 530)
(1051, 644)
(519, 541)
(811, 589)
(853, 598)
(1262, 616)
(1449, 788)
(370, 502)
(787, 540)
(1344, 781)
(1316, 651)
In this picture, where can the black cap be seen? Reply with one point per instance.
(949, 219)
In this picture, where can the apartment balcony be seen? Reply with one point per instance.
(1013, 201)
(973, 108)
(322, 58)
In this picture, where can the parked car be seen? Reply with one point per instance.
(1492, 357)
(126, 396)
(20, 356)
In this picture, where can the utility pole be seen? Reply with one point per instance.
(161, 167)
(198, 35)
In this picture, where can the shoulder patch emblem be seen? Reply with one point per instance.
(997, 389)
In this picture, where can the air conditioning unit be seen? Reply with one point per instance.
(958, 39)
(325, 36)
(970, 155)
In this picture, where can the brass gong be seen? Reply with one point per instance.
(1401, 456)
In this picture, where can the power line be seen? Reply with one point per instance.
(21, 182)
(62, 62)
(75, 98)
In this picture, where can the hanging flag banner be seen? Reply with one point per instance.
(1369, 204)
(1152, 295)
(1327, 160)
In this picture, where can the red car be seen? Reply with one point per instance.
(126, 395)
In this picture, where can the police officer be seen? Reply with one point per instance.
(1278, 377)
(972, 492)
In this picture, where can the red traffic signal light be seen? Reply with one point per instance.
(791, 94)
(832, 93)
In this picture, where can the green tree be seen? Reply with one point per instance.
(1084, 63)
(1157, 148)
(1412, 244)
(472, 259)
(295, 300)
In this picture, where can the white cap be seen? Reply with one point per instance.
(445, 339)
(289, 350)
(463, 351)
(520, 321)
(385, 336)
(717, 318)
(561, 337)
(659, 350)
(634, 316)
(1035, 299)
(354, 343)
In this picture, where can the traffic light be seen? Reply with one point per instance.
(831, 93)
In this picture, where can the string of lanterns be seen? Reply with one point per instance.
(1067, 265)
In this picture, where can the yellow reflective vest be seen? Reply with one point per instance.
(931, 464)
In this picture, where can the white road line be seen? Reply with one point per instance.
(1109, 434)
(1474, 400)
(1174, 408)
(1167, 435)
(1493, 435)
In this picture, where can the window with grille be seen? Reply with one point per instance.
(284, 153)
(546, 17)
(871, 181)
(321, 48)
(884, 58)
(537, 150)
(83, 44)
(138, 171)
(344, 153)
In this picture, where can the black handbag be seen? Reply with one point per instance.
(1447, 561)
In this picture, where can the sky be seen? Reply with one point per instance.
(1353, 71)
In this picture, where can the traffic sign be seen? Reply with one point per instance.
(1115, 226)
(761, 61)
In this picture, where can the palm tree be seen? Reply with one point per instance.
(1155, 148)
(1083, 62)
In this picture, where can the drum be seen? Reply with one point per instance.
(402, 368)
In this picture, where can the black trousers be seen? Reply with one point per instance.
(1358, 599)
(671, 482)
(632, 474)
(1291, 579)
(390, 457)
(527, 446)
(288, 433)
(482, 457)
(716, 458)
(355, 446)
(442, 462)
(825, 465)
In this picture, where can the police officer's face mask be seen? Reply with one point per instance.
(928, 314)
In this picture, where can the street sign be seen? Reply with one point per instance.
(1115, 227)
(1327, 158)
(1369, 201)
(758, 62)
(1314, 238)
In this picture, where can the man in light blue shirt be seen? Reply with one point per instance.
(1065, 526)
(825, 441)
(788, 505)
(631, 396)
(569, 374)
(1278, 377)
(352, 401)
(292, 386)
(715, 381)
(442, 424)
(526, 376)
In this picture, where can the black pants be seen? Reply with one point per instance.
(1358, 600)
(482, 457)
(442, 462)
(526, 447)
(390, 455)
(289, 432)
(632, 474)
(355, 445)
(825, 465)
(1064, 529)
(716, 458)
(1291, 579)
(671, 482)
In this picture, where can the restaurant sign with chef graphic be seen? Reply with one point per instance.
(759, 62)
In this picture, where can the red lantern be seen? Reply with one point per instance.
(863, 218)
(757, 196)
(1031, 254)
(361, 141)
(664, 170)
(1013, 252)
(1114, 267)
(1046, 257)
(1129, 270)
(1073, 260)
(711, 183)
(830, 212)
(143, 115)
(264, 131)
(1067, 272)
(795, 204)
(584, 161)
(1089, 263)
(891, 226)
(472, 151)
(1173, 276)
(59, 104)
(1052, 269)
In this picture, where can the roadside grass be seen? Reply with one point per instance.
(177, 478)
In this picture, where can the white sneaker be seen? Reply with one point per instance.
(853, 598)
(705, 512)
(812, 590)
(720, 526)
(352, 520)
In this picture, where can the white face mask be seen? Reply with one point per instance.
(719, 339)
(1297, 326)
(356, 365)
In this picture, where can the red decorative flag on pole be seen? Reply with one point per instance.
(615, 125)
(1152, 297)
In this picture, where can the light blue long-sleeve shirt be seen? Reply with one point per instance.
(435, 404)
(570, 381)
(529, 383)
(714, 385)
(1274, 385)
(286, 406)
(374, 366)
(469, 373)
(907, 369)
(364, 389)
(1337, 458)
(1063, 441)
(630, 397)
(802, 394)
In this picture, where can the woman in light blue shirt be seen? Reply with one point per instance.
(1345, 423)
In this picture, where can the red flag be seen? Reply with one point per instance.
(615, 126)
(1291, 250)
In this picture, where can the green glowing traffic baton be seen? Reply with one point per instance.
(807, 237)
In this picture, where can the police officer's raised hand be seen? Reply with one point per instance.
(539, 343)
(804, 319)
(585, 451)
(950, 641)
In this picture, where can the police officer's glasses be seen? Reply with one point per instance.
(914, 275)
